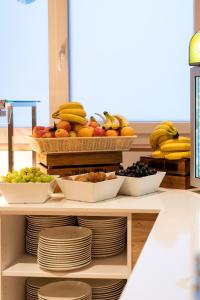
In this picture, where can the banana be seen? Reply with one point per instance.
(164, 138)
(175, 147)
(178, 155)
(73, 111)
(55, 115)
(167, 128)
(115, 122)
(107, 122)
(73, 118)
(71, 105)
(170, 124)
(155, 136)
(158, 154)
(92, 119)
(122, 120)
(180, 139)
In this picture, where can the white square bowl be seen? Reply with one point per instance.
(27, 193)
(138, 186)
(89, 191)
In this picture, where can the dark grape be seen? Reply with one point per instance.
(137, 169)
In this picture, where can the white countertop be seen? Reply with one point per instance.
(165, 268)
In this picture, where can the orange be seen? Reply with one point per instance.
(112, 132)
(127, 131)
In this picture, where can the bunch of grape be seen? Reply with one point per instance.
(26, 175)
(138, 169)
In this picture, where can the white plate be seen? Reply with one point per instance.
(66, 233)
(62, 269)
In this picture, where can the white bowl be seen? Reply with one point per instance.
(137, 186)
(27, 192)
(89, 191)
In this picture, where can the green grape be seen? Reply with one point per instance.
(26, 175)
(14, 181)
(33, 179)
(38, 179)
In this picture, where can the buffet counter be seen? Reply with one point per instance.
(165, 268)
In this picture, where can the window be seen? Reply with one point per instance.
(24, 57)
(131, 57)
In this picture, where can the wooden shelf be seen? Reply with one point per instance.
(112, 267)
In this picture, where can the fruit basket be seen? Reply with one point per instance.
(80, 144)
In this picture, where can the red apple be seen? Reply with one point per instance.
(47, 134)
(38, 131)
(99, 131)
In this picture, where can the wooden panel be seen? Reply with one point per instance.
(177, 182)
(77, 159)
(141, 230)
(78, 170)
(171, 167)
(197, 15)
(58, 53)
(142, 225)
(145, 217)
(137, 248)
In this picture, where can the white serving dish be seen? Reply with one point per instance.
(137, 186)
(27, 192)
(89, 191)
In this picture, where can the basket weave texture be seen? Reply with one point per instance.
(80, 144)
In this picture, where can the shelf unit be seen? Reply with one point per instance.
(17, 266)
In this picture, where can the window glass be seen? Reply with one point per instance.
(24, 57)
(131, 57)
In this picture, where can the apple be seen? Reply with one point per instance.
(99, 131)
(86, 132)
(64, 125)
(61, 133)
(47, 134)
(38, 131)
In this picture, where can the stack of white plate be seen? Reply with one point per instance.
(64, 248)
(108, 289)
(34, 284)
(108, 234)
(68, 290)
(36, 223)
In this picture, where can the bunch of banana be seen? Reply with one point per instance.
(113, 121)
(162, 133)
(173, 149)
(71, 112)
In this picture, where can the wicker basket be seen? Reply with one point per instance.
(80, 144)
